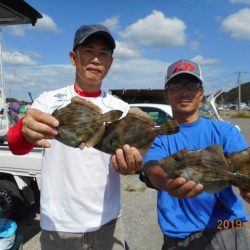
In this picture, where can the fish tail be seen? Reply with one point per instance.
(112, 115)
(240, 180)
(169, 127)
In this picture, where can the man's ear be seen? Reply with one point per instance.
(72, 56)
(165, 95)
(202, 94)
(111, 62)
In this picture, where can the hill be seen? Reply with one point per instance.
(232, 95)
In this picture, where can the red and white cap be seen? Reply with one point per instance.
(183, 66)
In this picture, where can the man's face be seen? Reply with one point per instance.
(92, 59)
(184, 95)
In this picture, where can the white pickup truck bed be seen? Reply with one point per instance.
(24, 165)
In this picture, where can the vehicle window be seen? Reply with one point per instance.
(158, 115)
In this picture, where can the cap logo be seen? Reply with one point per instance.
(183, 66)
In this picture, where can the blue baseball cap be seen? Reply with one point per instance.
(86, 31)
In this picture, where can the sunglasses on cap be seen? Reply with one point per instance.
(187, 85)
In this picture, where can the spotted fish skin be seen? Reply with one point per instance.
(136, 129)
(207, 166)
(82, 121)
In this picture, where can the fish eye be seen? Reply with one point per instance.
(112, 142)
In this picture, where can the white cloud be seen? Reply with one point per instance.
(17, 58)
(125, 51)
(18, 79)
(17, 30)
(112, 23)
(136, 74)
(46, 24)
(237, 24)
(202, 61)
(194, 45)
(36, 79)
(240, 1)
(157, 30)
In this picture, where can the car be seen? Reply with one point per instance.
(159, 112)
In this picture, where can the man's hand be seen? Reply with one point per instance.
(181, 188)
(127, 161)
(178, 187)
(38, 126)
(245, 195)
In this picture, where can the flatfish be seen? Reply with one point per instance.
(82, 121)
(209, 167)
(137, 129)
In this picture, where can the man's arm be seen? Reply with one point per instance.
(245, 194)
(32, 130)
(179, 187)
(16, 141)
(129, 161)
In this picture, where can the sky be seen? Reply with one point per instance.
(149, 34)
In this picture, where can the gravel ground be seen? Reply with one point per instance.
(139, 212)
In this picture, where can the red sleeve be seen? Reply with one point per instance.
(17, 143)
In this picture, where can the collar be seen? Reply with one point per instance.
(86, 94)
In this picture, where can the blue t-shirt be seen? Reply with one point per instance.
(182, 217)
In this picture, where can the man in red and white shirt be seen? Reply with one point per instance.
(80, 189)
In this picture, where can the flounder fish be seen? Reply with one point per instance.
(210, 167)
(82, 121)
(137, 129)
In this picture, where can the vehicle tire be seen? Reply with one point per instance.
(11, 201)
(6, 204)
(2, 139)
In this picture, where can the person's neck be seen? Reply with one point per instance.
(184, 119)
(87, 92)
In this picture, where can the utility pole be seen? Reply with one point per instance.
(239, 92)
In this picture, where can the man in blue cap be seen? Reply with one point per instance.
(80, 189)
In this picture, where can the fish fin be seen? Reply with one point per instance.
(111, 115)
(240, 180)
(218, 152)
(217, 148)
(96, 138)
(169, 127)
(240, 161)
(82, 101)
(138, 113)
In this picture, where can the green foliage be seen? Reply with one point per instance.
(242, 115)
